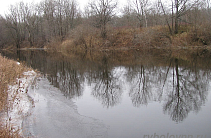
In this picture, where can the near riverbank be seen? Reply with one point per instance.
(15, 79)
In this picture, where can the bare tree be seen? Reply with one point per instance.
(13, 21)
(70, 13)
(181, 9)
(129, 17)
(4, 35)
(28, 18)
(178, 8)
(41, 23)
(102, 12)
(166, 16)
(66, 12)
(141, 10)
(49, 14)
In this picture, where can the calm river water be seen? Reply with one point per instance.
(120, 94)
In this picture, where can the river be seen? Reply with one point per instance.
(119, 94)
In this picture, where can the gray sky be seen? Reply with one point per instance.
(4, 4)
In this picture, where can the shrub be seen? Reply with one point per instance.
(84, 36)
(122, 37)
(153, 37)
(200, 35)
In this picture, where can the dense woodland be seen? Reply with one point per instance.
(104, 23)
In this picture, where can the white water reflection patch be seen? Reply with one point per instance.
(56, 116)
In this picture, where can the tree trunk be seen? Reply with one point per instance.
(103, 30)
(176, 17)
(177, 74)
(18, 39)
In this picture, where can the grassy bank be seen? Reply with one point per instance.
(9, 71)
(86, 37)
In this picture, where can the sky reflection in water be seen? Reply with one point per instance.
(135, 93)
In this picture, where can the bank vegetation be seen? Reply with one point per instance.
(103, 24)
(10, 70)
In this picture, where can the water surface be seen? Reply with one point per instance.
(135, 93)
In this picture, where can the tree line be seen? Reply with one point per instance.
(35, 25)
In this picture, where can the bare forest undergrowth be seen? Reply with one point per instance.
(84, 38)
(102, 24)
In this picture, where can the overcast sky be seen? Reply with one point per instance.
(4, 4)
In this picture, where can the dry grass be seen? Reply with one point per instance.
(83, 38)
(9, 71)
(201, 34)
(153, 37)
(181, 40)
(193, 36)
(121, 37)
(87, 37)
(6, 133)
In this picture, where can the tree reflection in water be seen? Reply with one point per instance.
(181, 84)
(68, 80)
(188, 92)
(107, 87)
(140, 92)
